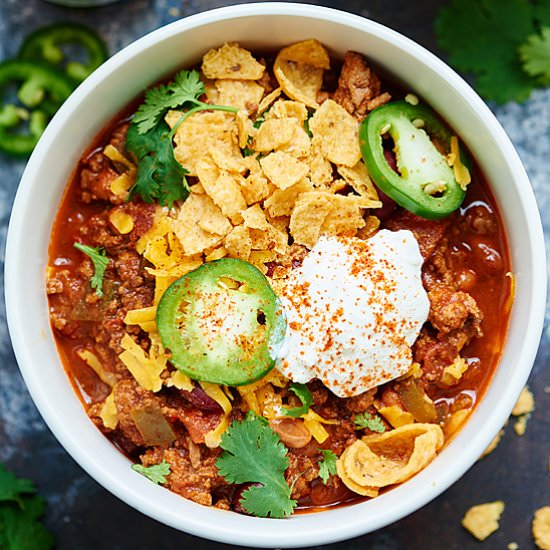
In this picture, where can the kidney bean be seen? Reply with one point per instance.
(466, 279)
(201, 400)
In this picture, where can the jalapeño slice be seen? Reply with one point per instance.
(425, 183)
(222, 323)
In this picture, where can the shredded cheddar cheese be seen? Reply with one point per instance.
(145, 367)
(214, 391)
(92, 361)
(109, 412)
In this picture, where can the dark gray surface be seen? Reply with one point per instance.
(82, 515)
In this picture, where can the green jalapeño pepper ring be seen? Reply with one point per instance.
(425, 182)
(42, 89)
(46, 44)
(222, 323)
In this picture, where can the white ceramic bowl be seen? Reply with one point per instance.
(101, 97)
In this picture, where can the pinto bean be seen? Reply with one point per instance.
(292, 432)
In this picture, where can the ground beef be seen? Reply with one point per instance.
(195, 483)
(97, 172)
(359, 89)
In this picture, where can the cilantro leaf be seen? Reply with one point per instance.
(156, 472)
(535, 55)
(100, 261)
(20, 510)
(371, 422)
(327, 467)
(159, 175)
(253, 453)
(20, 528)
(482, 37)
(305, 397)
(186, 88)
(11, 487)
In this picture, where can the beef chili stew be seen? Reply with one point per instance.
(260, 314)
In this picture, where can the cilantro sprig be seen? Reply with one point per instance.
(305, 397)
(156, 472)
(327, 467)
(100, 260)
(253, 453)
(371, 422)
(159, 176)
(20, 512)
(505, 44)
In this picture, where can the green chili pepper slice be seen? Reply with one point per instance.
(222, 323)
(41, 91)
(46, 44)
(424, 182)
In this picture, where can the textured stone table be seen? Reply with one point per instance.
(83, 516)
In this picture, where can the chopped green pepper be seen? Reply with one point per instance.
(424, 182)
(222, 323)
(46, 43)
(41, 91)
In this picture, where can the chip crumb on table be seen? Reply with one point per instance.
(482, 520)
(512, 546)
(541, 528)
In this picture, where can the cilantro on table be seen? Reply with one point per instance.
(253, 453)
(505, 44)
(156, 472)
(159, 176)
(304, 395)
(327, 467)
(20, 510)
(371, 422)
(100, 260)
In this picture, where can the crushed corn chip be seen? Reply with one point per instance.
(338, 133)
(243, 94)
(525, 403)
(231, 61)
(273, 134)
(200, 133)
(541, 528)
(283, 170)
(396, 416)
(482, 520)
(238, 243)
(308, 217)
(283, 201)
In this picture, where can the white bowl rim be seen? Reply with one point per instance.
(262, 532)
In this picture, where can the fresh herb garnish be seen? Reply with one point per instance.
(371, 422)
(259, 121)
(159, 176)
(253, 453)
(20, 510)
(503, 43)
(304, 395)
(100, 261)
(535, 56)
(156, 472)
(327, 467)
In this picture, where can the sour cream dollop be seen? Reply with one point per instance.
(354, 308)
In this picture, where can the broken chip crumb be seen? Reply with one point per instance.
(541, 528)
(525, 403)
(521, 425)
(482, 520)
(512, 546)
(494, 443)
